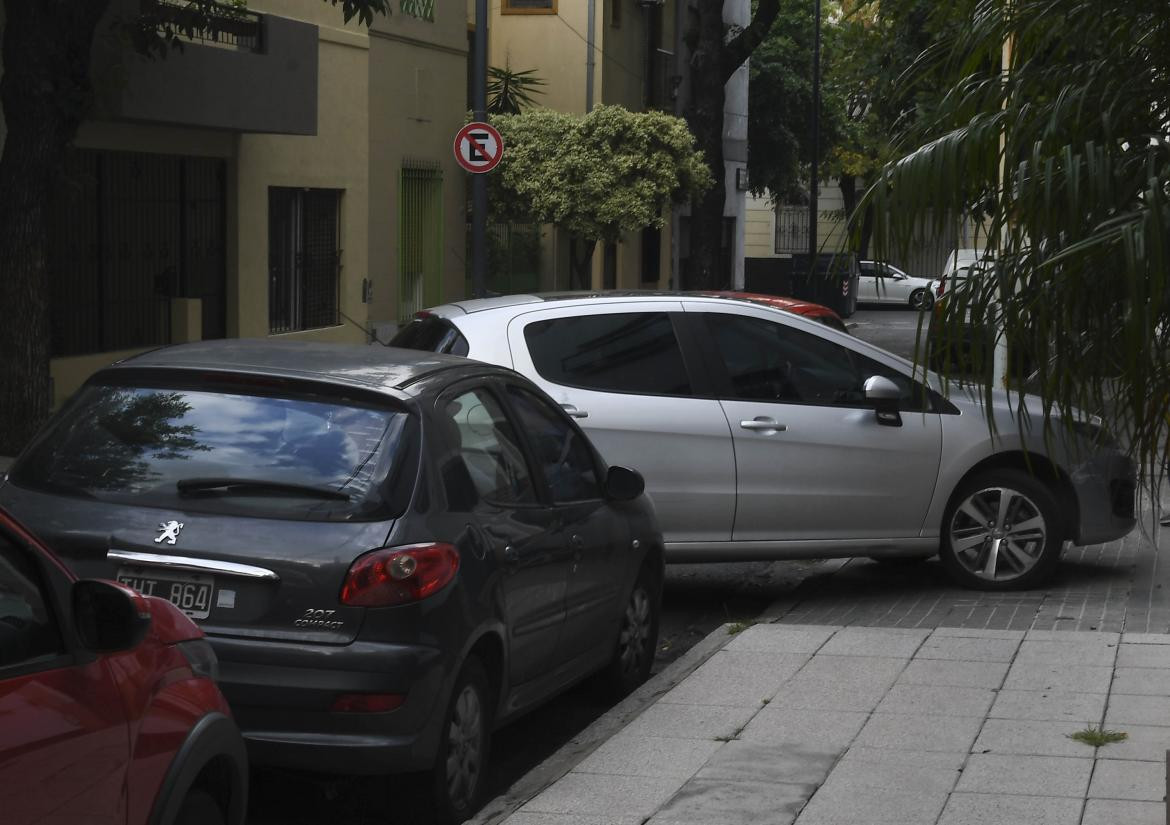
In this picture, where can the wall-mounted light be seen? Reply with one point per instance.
(741, 179)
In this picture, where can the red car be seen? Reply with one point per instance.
(796, 306)
(109, 711)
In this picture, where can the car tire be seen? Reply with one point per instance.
(199, 808)
(921, 299)
(637, 638)
(459, 775)
(986, 546)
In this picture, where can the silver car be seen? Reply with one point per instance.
(765, 435)
(882, 283)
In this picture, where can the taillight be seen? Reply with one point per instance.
(941, 286)
(367, 702)
(399, 575)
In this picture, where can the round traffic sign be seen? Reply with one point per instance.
(478, 147)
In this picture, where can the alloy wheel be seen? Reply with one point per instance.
(465, 747)
(635, 631)
(998, 533)
(921, 300)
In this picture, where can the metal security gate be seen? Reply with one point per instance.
(304, 258)
(127, 233)
(420, 238)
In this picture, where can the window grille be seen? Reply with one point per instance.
(422, 9)
(420, 238)
(304, 258)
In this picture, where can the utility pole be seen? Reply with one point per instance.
(814, 180)
(479, 182)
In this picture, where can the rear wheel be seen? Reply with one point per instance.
(1002, 531)
(637, 638)
(460, 771)
(199, 808)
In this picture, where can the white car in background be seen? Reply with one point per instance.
(882, 283)
(765, 435)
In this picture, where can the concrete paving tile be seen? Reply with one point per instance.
(595, 794)
(1077, 678)
(629, 754)
(931, 699)
(1116, 811)
(1002, 809)
(947, 761)
(756, 762)
(1095, 637)
(968, 649)
(1120, 779)
(1084, 652)
(690, 721)
(873, 641)
(815, 729)
(853, 805)
(1143, 655)
(919, 732)
(528, 818)
(1146, 681)
(1055, 705)
(1137, 710)
(1145, 743)
(996, 773)
(957, 674)
(781, 638)
(740, 678)
(1145, 638)
(1027, 738)
(978, 633)
(846, 683)
(704, 801)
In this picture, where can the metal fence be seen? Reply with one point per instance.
(420, 237)
(218, 23)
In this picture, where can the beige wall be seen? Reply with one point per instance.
(760, 223)
(553, 44)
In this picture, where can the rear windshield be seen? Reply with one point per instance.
(833, 322)
(166, 446)
(431, 334)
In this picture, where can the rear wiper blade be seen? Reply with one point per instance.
(228, 485)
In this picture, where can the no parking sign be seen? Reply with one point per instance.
(478, 147)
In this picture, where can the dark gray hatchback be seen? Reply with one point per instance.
(390, 551)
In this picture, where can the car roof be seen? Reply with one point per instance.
(474, 305)
(346, 364)
(796, 305)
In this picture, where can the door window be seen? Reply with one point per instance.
(488, 463)
(561, 451)
(767, 361)
(28, 629)
(634, 352)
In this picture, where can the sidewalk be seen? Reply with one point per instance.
(827, 725)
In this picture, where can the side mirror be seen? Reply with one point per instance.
(624, 484)
(109, 617)
(884, 395)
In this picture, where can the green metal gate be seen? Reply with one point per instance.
(420, 238)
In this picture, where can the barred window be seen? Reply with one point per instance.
(304, 258)
(529, 7)
(422, 9)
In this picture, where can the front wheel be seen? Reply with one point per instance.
(637, 638)
(1002, 531)
(459, 775)
(921, 299)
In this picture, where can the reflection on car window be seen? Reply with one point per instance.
(431, 334)
(768, 361)
(28, 629)
(138, 442)
(564, 456)
(489, 463)
(634, 352)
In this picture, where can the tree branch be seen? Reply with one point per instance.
(743, 44)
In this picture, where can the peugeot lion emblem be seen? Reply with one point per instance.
(168, 530)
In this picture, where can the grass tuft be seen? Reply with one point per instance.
(1097, 737)
(739, 627)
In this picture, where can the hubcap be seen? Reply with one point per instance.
(464, 747)
(635, 631)
(919, 300)
(998, 534)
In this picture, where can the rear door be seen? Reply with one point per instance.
(619, 370)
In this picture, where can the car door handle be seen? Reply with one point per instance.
(573, 411)
(511, 554)
(762, 423)
(577, 543)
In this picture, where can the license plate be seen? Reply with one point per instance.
(190, 592)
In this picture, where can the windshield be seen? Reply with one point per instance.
(146, 445)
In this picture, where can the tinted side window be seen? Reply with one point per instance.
(768, 361)
(28, 629)
(564, 456)
(634, 352)
(489, 463)
(431, 334)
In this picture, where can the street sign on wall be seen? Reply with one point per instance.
(478, 147)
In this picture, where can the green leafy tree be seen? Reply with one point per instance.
(46, 91)
(598, 176)
(1064, 152)
(510, 92)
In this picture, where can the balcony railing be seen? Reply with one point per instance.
(215, 23)
(791, 229)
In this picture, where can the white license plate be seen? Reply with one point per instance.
(190, 592)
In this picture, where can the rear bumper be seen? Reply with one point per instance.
(281, 695)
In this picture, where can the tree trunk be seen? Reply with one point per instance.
(44, 91)
(580, 271)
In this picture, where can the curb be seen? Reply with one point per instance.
(573, 752)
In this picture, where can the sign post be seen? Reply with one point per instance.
(478, 183)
